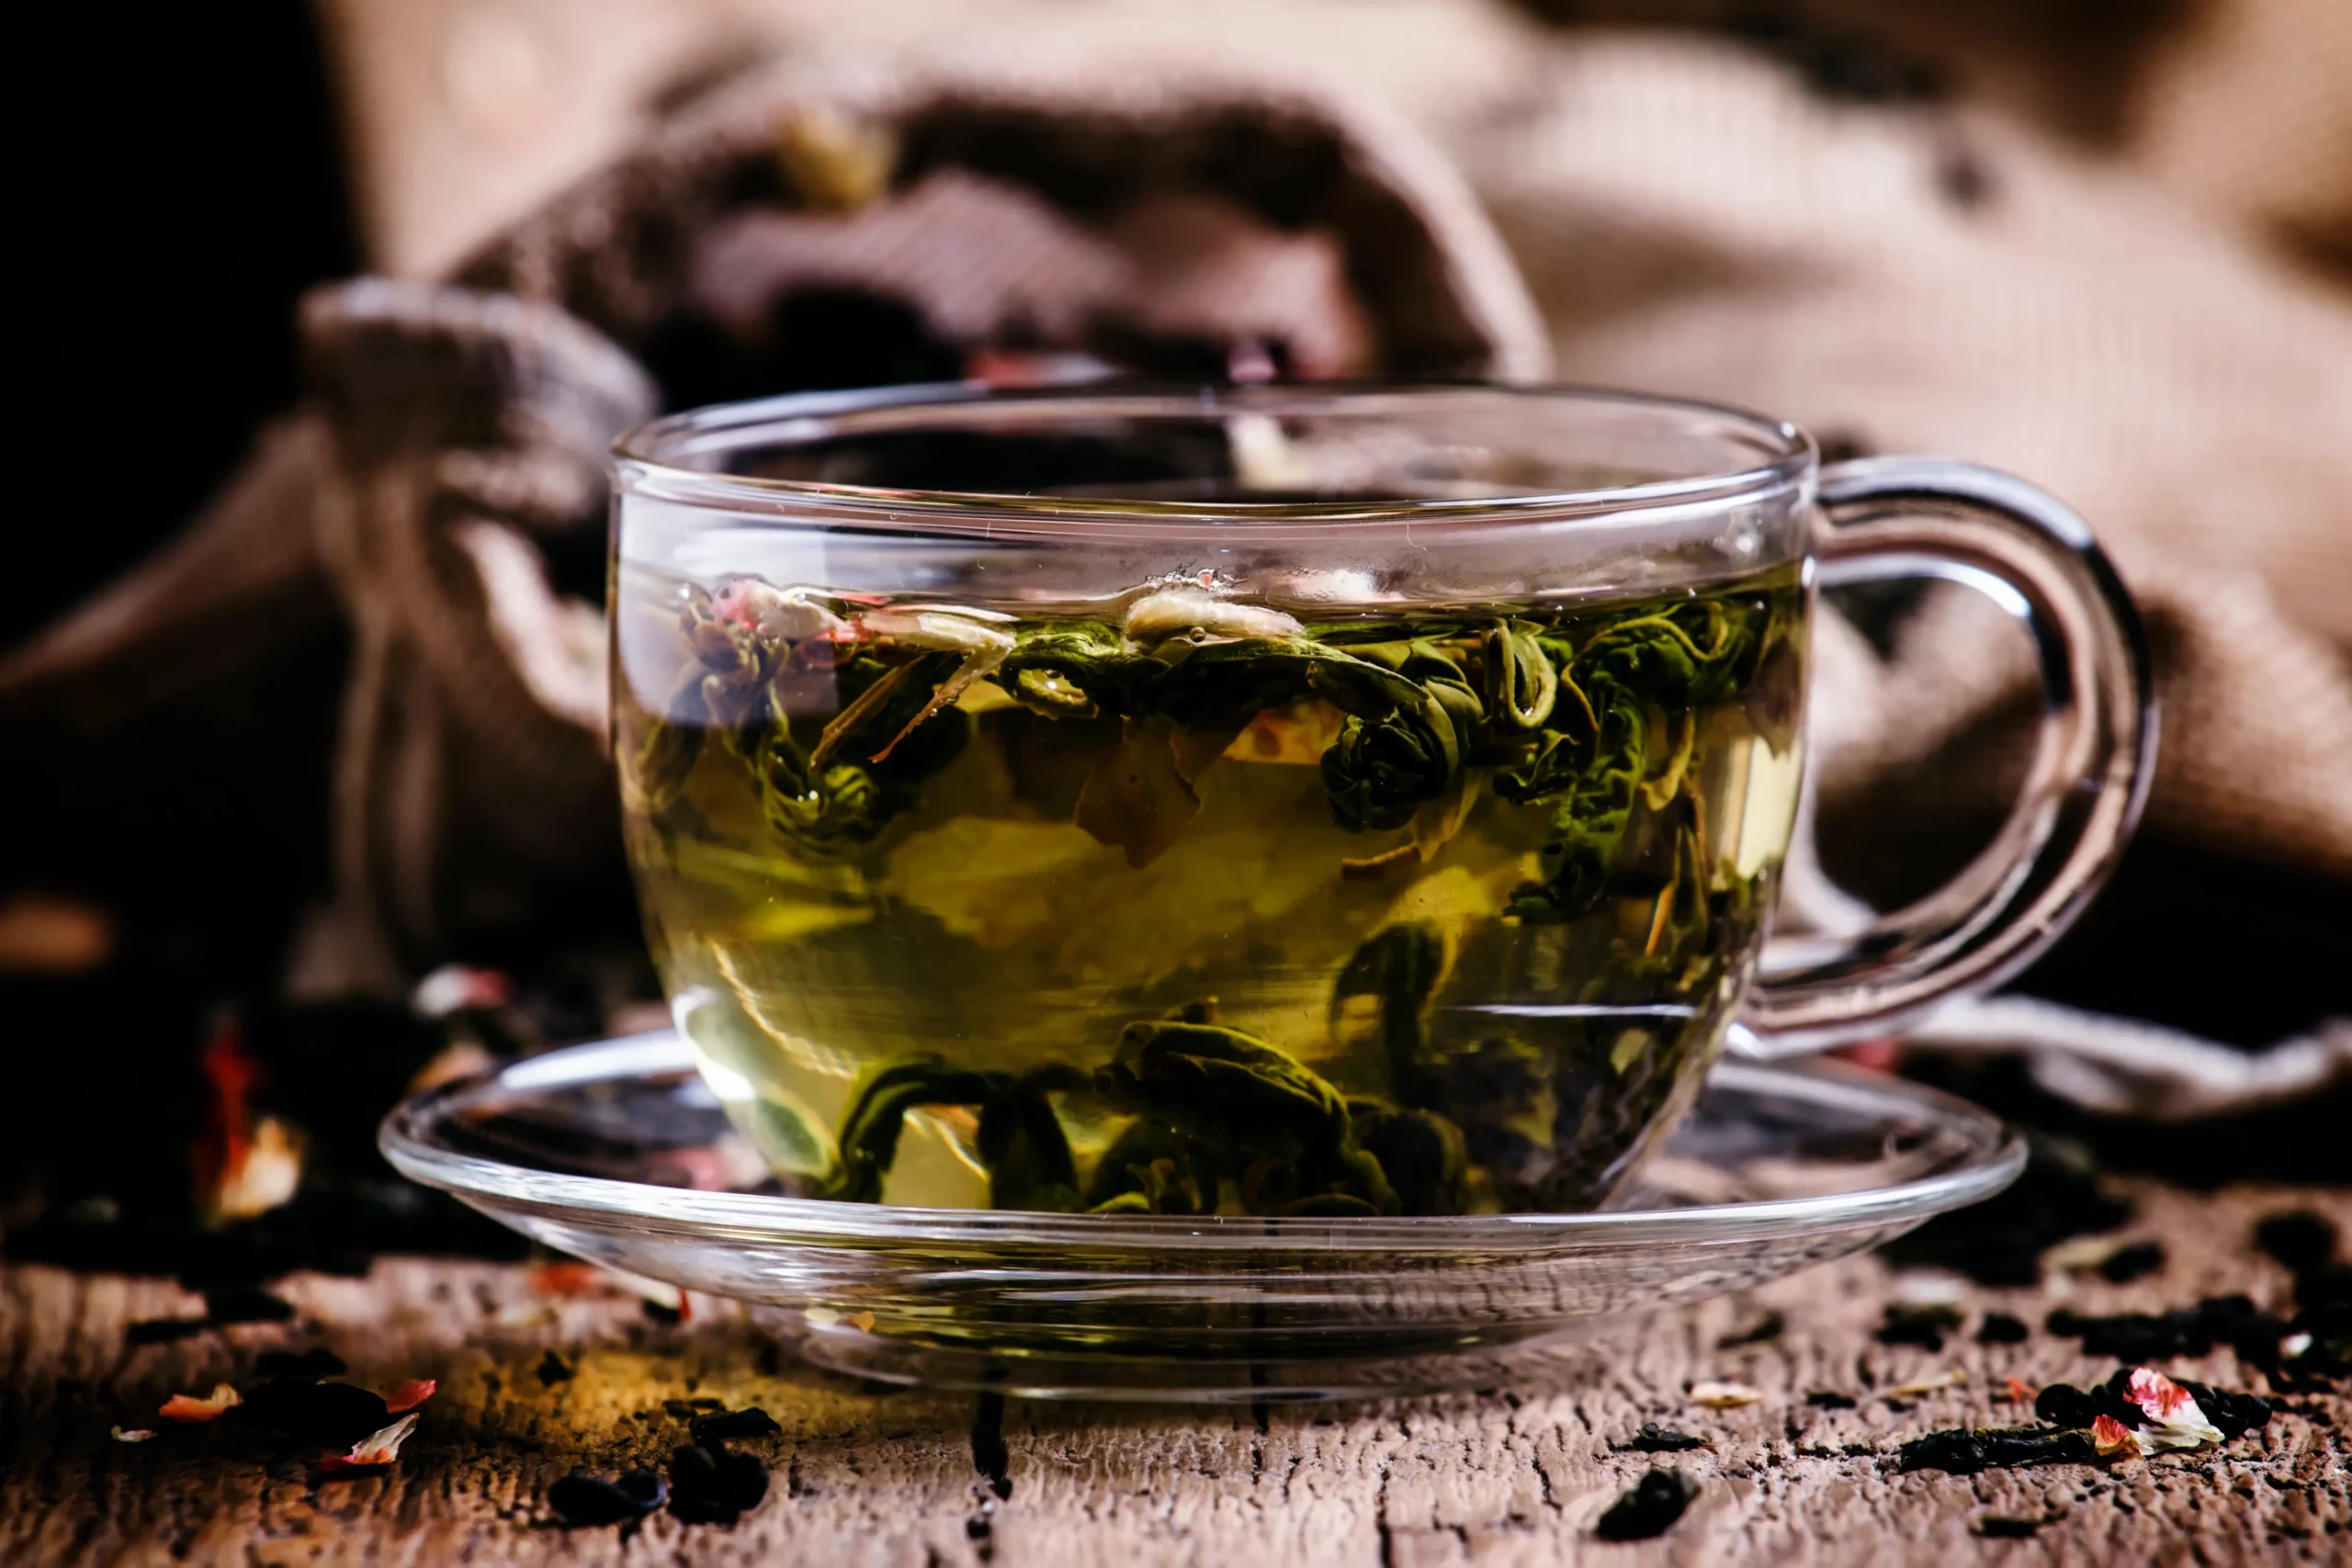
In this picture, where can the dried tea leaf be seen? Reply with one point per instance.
(735, 1426)
(1648, 1509)
(1929, 1383)
(2136, 1261)
(2149, 1337)
(244, 1303)
(2302, 1240)
(1724, 1395)
(2001, 1241)
(1922, 1325)
(2000, 1328)
(715, 1487)
(1961, 1451)
(164, 1330)
(2005, 1527)
(1653, 1439)
(583, 1501)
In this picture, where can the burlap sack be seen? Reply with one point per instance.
(1919, 278)
(442, 494)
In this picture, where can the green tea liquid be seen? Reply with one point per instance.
(1190, 907)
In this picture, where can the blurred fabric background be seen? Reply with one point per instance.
(291, 143)
(2105, 244)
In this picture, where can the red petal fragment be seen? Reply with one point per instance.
(2022, 1392)
(407, 1395)
(567, 1279)
(188, 1407)
(230, 1074)
(2174, 1421)
(2110, 1437)
(373, 1451)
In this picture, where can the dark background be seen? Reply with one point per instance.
(186, 183)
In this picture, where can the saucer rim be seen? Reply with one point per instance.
(1994, 1156)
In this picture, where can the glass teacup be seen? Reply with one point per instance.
(1284, 802)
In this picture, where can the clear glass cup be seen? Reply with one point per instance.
(1314, 802)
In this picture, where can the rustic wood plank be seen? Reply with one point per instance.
(863, 1476)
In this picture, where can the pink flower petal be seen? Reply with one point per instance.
(2175, 1422)
(2157, 1394)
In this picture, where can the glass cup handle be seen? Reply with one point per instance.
(2093, 755)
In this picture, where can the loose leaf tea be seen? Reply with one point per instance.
(1189, 906)
(582, 1500)
(1656, 1439)
(1649, 1507)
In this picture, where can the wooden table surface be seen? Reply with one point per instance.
(861, 1476)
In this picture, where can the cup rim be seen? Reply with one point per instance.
(655, 459)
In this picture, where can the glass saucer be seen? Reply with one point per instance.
(615, 1152)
